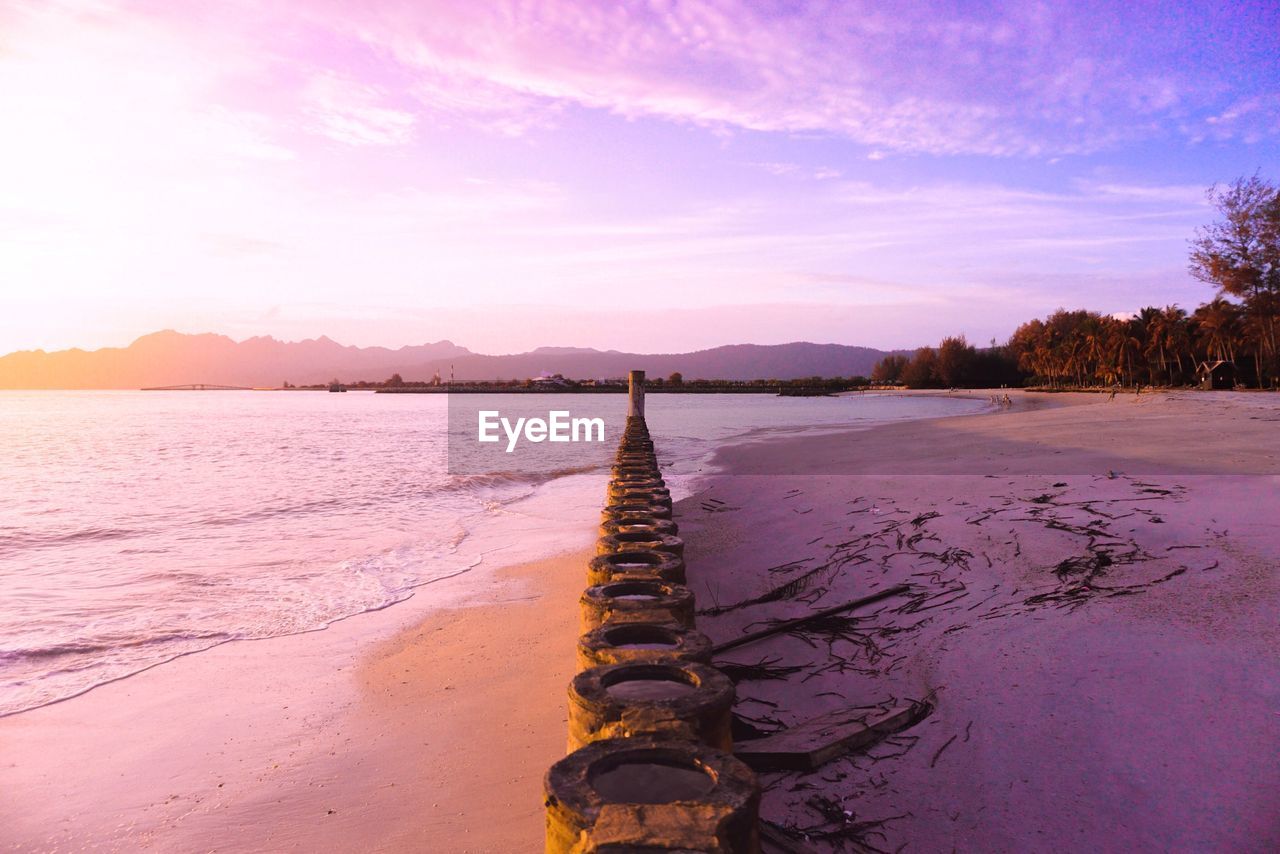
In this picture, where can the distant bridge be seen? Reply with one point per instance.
(198, 387)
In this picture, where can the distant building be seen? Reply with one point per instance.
(1219, 375)
(555, 381)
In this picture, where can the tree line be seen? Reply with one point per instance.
(1239, 254)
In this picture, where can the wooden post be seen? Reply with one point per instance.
(635, 394)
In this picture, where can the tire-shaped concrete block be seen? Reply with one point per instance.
(635, 564)
(636, 602)
(627, 484)
(622, 643)
(654, 485)
(647, 540)
(635, 460)
(615, 511)
(619, 486)
(639, 522)
(629, 476)
(670, 699)
(642, 496)
(641, 794)
(621, 493)
(635, 472)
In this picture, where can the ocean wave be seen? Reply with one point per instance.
(90, 647)
(464, 482)
(267, 513)
(24, 540)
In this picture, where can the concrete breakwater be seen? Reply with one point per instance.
(651, 766)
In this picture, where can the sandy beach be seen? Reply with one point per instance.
(1092, 620)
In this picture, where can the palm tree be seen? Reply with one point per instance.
(1174, 336)
(1155, 335)
(1220, 329)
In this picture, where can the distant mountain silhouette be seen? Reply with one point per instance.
(173, 358)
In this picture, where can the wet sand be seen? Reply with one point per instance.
(1092, 618)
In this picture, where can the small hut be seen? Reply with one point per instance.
(1219, 375)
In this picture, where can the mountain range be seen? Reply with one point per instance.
(174, 358)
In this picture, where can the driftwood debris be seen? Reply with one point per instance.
(813, 743)
(789, 625)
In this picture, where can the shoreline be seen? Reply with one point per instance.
(480, 537)
(329, 756)
(276, 750)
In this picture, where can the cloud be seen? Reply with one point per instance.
(469, 101)
(1251, 120)
(355, 114)
(779, 169)
(1184, 195)
(1023, 81)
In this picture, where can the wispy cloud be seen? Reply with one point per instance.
(1025, 80)
(355, 114)
(1250, 119)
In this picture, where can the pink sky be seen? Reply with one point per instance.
(510, 175)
